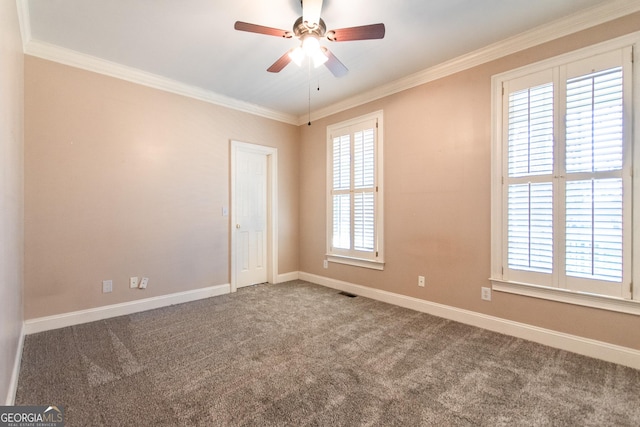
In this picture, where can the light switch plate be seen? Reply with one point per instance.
(107, 286)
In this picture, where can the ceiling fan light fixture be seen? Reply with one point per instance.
(311, 47)
(297, 55)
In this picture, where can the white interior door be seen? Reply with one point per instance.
(250, 218)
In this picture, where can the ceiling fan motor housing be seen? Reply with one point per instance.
(302, 29)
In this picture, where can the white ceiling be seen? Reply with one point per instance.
(193, 41)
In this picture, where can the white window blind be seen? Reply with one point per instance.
(364, 190)
(594, 229)
(565, 188)
(530, 204)
(531, 131)
(594, 122)
(530, 227)
(594, 206)
(354, 191)
(341, 188)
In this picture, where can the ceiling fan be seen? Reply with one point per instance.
(309, 29)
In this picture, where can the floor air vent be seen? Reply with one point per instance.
(347, 294)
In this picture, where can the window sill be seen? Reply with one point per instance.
(566, 296)
(357, 262)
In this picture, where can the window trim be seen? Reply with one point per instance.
(631, 306)
(339, 257)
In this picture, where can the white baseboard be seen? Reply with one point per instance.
(41, 324)
(585, 346)
(13, 385)
(287, 277)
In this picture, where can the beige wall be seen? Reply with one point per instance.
(437, 166)
(11, 193)
(123, 180)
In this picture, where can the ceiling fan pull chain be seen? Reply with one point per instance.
(309, 68)
(309, 124)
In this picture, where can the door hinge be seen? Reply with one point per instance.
(376, 188)
(502, 89)
(502, 272)
(376, 254)
(631, 289)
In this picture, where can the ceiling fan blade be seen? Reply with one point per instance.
(311, 11)
(253, 28)
(282, 62)
(365, 32)
(334, 65)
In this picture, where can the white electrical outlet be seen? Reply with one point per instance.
(144, 282)
(133, 282)
(485, 294)
(421, 281)
(107, 286)
(325, 263)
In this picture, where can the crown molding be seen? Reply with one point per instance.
(576, 22)
(24, 21)
(90, 63)
(562, 27)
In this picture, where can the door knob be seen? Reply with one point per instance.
(237, 225)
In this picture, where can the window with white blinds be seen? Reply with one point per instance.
(562, 194)
(354, 192)
(594, 188)
(530, 187)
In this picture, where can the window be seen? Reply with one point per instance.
(354, 192)
(562, 179)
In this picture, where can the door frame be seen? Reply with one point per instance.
(271, 154)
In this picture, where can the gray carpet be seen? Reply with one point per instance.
(300, 354)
